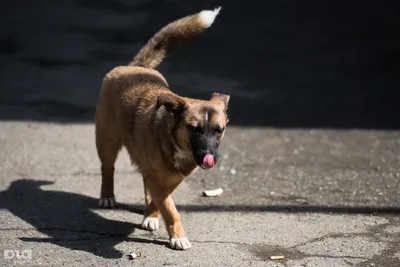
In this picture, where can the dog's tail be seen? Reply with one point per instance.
(172, 37)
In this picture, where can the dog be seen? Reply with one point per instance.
(167, 136)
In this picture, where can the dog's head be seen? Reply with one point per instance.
(199, 125)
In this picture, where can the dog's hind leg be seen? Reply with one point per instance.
(152, 214)
(107, 150)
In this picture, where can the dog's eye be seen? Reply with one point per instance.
(196, 129)
(219, 129)
(199, 130)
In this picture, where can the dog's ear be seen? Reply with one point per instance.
(216, 97)
(173, 104)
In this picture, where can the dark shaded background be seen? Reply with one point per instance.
(296, 63)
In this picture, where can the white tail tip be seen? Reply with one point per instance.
(208, 16)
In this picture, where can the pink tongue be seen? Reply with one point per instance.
(208, 161)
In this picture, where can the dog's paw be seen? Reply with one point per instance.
(180, 243)
(151, 223)
(107, 202)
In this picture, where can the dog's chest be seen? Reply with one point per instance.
(180, 157)
(184, 162)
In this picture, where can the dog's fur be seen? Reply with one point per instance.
(167, 136)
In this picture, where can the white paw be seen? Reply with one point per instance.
(151, 223)
(107, 202)
(180, 243)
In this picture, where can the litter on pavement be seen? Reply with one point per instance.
(276, 258)
(213, 193)
(135, 254)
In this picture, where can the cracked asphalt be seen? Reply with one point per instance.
(310, 164)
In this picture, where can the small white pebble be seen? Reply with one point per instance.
(233, 171)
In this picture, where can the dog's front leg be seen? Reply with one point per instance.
(173, 223)
(161, 196)
(151, 219)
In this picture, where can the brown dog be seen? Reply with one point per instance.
(167, 136)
